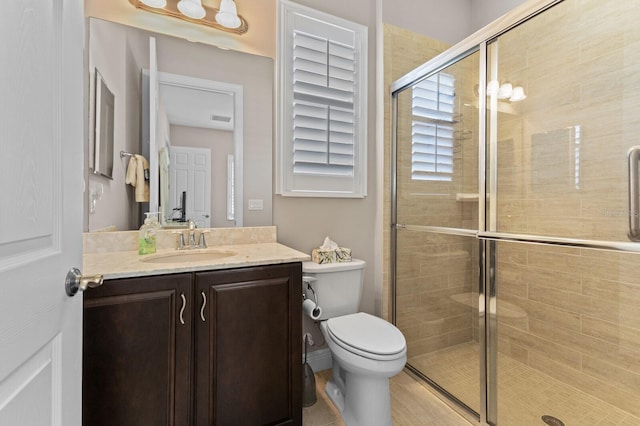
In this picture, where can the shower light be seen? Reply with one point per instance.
(192, 8)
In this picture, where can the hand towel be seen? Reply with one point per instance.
(142, 186)
(135, 177)
(130, 177)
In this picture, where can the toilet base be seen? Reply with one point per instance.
(361, 400)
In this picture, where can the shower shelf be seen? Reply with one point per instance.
(462, 196)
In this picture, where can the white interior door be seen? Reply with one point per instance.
(41, 117)
(191, 171)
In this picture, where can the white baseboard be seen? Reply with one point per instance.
(319, 360)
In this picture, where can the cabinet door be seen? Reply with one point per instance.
(248, 346)
(137, 352)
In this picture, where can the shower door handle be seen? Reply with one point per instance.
(634, 193)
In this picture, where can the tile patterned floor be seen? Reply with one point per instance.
(525, 394)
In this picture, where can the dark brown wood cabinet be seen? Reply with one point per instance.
(137, 352)
(208, 348)
(248, 347)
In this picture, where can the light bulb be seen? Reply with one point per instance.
(518, 94)
(505, 91)
(228, 14)
(192, 8)
(492, 87)
(155, 3)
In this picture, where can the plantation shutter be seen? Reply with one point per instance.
(323, 106)
(322, 148)
(432, 128)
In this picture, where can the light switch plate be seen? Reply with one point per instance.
(256, 204)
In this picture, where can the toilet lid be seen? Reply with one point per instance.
(366, 333)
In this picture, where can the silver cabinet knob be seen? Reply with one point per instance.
(76, 281)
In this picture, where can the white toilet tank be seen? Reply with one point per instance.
(338, 286)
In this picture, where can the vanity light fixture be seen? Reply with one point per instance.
(192, 8)
(225, 19)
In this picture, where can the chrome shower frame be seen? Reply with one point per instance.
(486, 234)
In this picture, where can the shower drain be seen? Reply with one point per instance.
(552, 421)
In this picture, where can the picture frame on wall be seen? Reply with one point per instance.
(103, 136)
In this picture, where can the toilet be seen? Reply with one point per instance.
(366, 350)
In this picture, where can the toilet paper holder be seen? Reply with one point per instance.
(308, 280)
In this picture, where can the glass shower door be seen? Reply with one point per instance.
(562, 166)
(436, 216)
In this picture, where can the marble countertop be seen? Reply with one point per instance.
(126, 264)
(115, 254)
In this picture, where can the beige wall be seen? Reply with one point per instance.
(303, 223)
(116, 63)
(448, 21)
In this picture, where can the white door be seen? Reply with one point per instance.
(41, 157)
(190, 171)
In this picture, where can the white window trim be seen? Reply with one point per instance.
(316, 186)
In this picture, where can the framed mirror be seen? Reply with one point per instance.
(122, 55)
(103, 140)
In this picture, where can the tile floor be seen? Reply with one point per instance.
(412, 404)
(524, 394)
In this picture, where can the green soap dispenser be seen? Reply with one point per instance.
(148, 234)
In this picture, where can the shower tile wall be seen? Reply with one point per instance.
(562, 151)
(403, 51)
(573, 314)
(436, 298)
(437, 274)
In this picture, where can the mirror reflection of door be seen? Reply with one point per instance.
(205, 114)
(190, 172)
(196, 115)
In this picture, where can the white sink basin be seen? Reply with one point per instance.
(188, 256)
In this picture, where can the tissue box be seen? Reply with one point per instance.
(340, 254)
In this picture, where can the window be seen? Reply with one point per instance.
(432, 128)
(321, 104)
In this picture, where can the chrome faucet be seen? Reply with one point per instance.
(192, 233)
(187, 239)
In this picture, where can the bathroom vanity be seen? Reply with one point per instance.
(194, 341)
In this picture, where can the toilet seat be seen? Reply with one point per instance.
(368, 336)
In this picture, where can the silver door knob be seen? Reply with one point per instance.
(76, 281)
